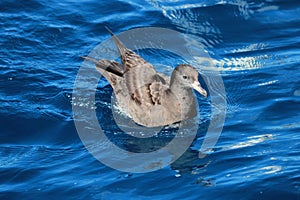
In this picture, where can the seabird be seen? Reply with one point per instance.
(150, 98)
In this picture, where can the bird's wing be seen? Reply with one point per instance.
(138, 73)
(128, 57)
(158, 106)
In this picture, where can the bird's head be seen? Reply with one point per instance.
(188, 77)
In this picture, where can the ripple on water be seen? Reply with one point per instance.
(255, 48)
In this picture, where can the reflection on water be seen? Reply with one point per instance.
(197, 18)
(187, 18)
(253, 140)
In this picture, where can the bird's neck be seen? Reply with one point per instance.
(186, 98)
(178, 88)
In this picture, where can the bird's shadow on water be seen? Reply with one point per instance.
(186, 163)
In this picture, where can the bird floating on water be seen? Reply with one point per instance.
(150, 98)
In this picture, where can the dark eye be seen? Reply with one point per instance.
(184, 77)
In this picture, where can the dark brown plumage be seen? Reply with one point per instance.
(151, 99)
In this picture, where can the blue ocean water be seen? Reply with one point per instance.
(256, 48)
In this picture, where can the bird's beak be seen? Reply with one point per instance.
(196, 85)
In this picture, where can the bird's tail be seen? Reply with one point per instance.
(106, 65)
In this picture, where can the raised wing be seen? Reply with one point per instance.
(138, 73)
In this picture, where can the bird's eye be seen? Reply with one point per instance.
(184, 77)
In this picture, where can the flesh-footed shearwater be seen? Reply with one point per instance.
(150, 98)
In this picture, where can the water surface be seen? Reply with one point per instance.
(255, 46)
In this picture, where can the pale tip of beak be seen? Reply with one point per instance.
(196, 85)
